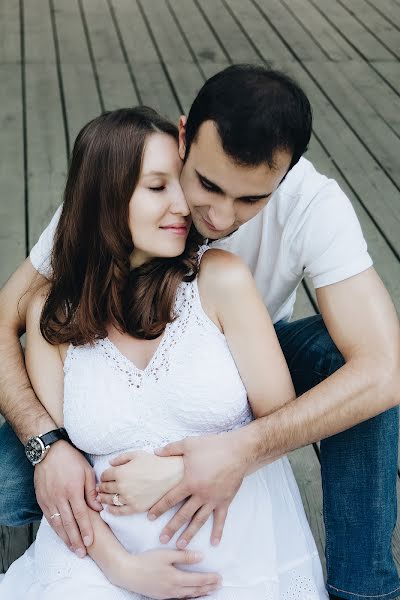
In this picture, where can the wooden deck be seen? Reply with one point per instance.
(64, 61)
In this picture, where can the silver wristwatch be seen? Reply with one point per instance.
(37, 447)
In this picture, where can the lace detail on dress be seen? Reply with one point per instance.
(160, 362)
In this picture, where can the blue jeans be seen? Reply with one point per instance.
(359, 472)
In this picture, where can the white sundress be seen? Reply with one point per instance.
(190, 387)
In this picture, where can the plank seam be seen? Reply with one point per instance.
(123, 50)
(24, 124)
(160, 57)
(183, 34)
(212, 29)
(306, 30)
(242, 29)
(383, 15)
(353, 14)
(91, 55)
(334, 26)
(59, 78)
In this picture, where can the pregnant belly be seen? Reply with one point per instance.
(246, 553)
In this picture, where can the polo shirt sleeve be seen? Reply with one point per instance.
(331, 244)
(40, 255)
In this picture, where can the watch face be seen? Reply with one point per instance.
(34, 450)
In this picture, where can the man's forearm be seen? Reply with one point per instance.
(18, 402)
(353, 394)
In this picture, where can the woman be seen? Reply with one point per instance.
(140, 336)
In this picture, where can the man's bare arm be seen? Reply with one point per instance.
(363, 323)
(18, 402)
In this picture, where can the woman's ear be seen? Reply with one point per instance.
(182, 136)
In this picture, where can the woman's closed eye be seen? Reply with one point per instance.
(158, 188)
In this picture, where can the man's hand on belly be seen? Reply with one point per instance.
(214, 470)
(140, 479)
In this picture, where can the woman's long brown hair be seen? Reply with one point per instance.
(92, 284)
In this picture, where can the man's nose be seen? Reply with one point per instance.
(222, 216)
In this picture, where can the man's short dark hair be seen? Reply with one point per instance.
(256, 111)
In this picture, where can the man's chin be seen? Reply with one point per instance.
(209, 233)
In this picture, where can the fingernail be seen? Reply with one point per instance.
(215, 541)
(98, 497)
(164, 539)
(151, 517)
(182, 544)
(80, 552)
(86, 540)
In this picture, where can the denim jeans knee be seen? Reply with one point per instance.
(18, 504)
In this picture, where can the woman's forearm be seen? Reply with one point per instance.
(108, 553)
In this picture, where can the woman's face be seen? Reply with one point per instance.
(159, 218)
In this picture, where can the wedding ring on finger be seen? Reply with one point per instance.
(55, 515)
(116, 501)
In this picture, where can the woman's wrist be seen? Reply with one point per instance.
(126, 571)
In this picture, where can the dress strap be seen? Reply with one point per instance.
(201, 251)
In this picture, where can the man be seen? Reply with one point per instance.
(246, 124)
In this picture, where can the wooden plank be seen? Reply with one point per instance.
(203, 43)
(300, 43)
(47, 160)
(151, 78)
(366, 81)
(361, 116)
(81, 97)
(390, 71)
(355, 33)
(218, 16)
(378, 194)
(389, 9)
(303, 307)
(12, 206)
(307, 471)
(377, 25)
(334, 45)
(114, 78)
(185, 76)
(9, 32)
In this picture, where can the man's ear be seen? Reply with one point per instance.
(182, 136)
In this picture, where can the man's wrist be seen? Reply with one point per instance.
(251, 440)
(42, 423)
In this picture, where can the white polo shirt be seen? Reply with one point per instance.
(308, 227)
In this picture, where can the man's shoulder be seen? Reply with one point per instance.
(304, 188)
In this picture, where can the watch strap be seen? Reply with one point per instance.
(54, 436)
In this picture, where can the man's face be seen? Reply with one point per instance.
(221, 194)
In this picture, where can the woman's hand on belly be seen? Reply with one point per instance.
(155, 575)
(140, 479)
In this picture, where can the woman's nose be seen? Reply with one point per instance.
(179, 204)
